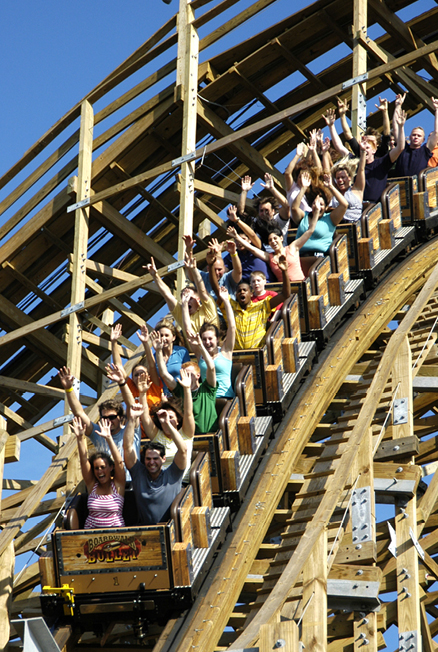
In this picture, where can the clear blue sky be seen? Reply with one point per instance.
(53, 52)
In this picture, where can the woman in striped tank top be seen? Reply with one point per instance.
(104, 477)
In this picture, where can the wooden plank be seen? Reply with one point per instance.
(402, 382)
(7, 558)
(314, 620)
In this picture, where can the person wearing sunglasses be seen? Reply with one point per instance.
(111, 410)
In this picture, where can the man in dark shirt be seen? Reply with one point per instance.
(376, 169)
(154, 488)
(417, 153)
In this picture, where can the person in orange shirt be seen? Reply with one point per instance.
(145, 366)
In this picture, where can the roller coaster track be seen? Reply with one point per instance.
(260, 580)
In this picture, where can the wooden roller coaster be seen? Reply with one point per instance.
(319, 462)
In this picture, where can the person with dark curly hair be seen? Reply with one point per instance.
(104, 476)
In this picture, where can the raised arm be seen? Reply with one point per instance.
(116, 334)
(119, 467)
(288, 173)
(285, 292)
(254, 250)
(185, 314)
(78, 429)
(359, 182)
(313, 142)
(188, 418)
(66, 378)
(230, 338)
(200, 286)
(117, 375)
(130, 455)
(146, 421)
(433, 138)
(337, 213)
(163, 289)
(246, 187)
(166, 377)
(236, 272)
(194, 339)
(383, 107)
(245, 228)
(330, 119)
(398, 103)
(143, 336)
(304, 181)
(269, 184)
(299, 242)
(342, 110)
(397, 150)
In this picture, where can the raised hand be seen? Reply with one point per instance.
(329, 117)
(342, 106)
(269, 182)
(399, 99)
(246, 183)
(282, 262)
(328, 181)
(115, 373)
(105, 428)
(77, 427)
(66, 377)
(152, 269)
(194, 339)
(185, 380)
(434, 102)
(301, 149)
(326, 144)
(143, 334)
(163, 417)
(189, 242)
(215, 246)
(312, 141)
(156, 340)
(116, 332)
(224, 293)
(402, 116)
(143, 383)
(232, 213)
(383, 104)
(305, 180)
(135, 410)
(231, 247)
(231, 231)
(190, 261)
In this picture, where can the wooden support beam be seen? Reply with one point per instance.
(32, 287)
(408, 596)
(358, 92)
(187, 90)
(417, 86)
(7, 558)
(402, 379)
(402, 33)
(80, 247)
(314, 620)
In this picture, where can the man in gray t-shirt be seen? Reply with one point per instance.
(154, 488)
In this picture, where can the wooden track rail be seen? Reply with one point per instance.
(303, 419)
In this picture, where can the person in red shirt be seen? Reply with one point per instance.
(259, 292)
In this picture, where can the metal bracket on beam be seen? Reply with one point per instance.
(361, 515)
(184, 159)
(71, 309)
(79, 204)
(356, 80)
(61, 420)
(400, 411)
(408, 641)
(177, 265)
